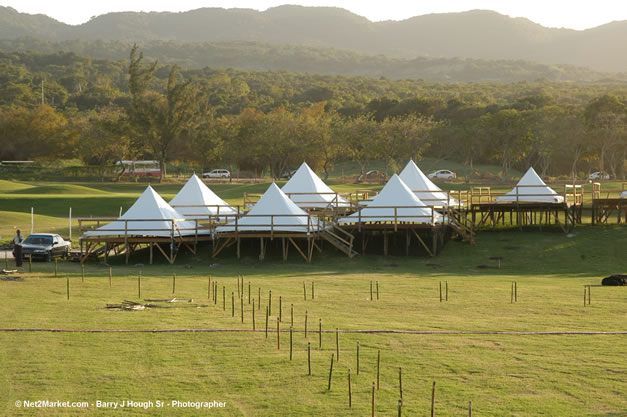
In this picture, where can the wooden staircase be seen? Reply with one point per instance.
(340, 239)
(462, 225)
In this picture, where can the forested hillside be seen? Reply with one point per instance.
(259, 56)
(101, 111)
(477, 34)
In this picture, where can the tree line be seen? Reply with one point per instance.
(64, 105)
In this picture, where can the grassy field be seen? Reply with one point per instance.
(502, 374)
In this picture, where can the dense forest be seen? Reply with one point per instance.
(477, 34)
(65, 105)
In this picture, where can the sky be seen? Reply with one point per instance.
(573, 14)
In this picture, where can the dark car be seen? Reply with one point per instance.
(45, 246)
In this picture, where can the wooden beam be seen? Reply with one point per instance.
(424, 245)
(298, 249)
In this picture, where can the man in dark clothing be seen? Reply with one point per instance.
(17, 248)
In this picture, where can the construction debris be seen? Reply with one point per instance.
(170, 300)
(131, 306)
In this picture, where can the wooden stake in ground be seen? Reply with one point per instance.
(312, 291)
(110, 275)
(249, 294)
(350, 389)
(377, 290)
(267, 315)
(292, 314)
(242, 305)
(470, 408)
(320, 334)
(291, 330)
(253, 309)
(585, 290)
(440, 291)
(30, 263)
(173, 282)
(400, 407)
(400, 382)
(358, 357)
(373, 399)
(259, 300)
(337, 343)
(68, 287)
(511, 297)
(516, 291)
(270, 302)
(280, 308)
(232, 304)
(378, 367)
(305, 324)
(309, 357)
(330, 372)
(304, 291)
(433, 400)
(447, 290)
(278, 334)
(589, 292)
(371, 291)
(139, 284)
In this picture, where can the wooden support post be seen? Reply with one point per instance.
(253, 310)
(30, 263)
(280, 308)
(304, 291)
(242, 308)
(377, 290)
(267, 316)
(447, 290)
(350, 390)
(440, 291)
(371, 297)
(270, 302)
(320, 335)
(68, 287)
(309, 357)
(238, 292)
(433, 400)
(400, 382)
(249, 295)
(173, 283)
(378, 367)
(259, 300)
(312, 290)
(278, 334)
(291, 331)
(306, 324)
(373, 399)
(232, 304)
(330, 372)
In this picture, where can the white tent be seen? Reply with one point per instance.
(149, 206)
(425, 190)
(319, 195)
(273, 212)
(196, 193)
(531, 189)
(384, 207)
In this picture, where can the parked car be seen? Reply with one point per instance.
(45, 246)
(288, 174)
(598, 176)
(217, 173)
(443, 174)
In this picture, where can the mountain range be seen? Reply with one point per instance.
(476, 34)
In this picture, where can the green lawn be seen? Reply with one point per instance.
(504, 375)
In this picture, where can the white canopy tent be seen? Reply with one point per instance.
(150, 216)
(424, 188)
(310, 191)
(196, 201)
(531, 189)
(273, 212)
(395, 203)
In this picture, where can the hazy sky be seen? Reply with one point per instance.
(575, 14)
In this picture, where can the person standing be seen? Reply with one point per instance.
(17, 248)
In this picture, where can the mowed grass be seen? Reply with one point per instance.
(504, 375)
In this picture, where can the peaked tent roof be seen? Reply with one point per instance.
(531, 188)
(305, 180)
(395, 194)
(149, 206)
(274, 211)
(423, 187)
(196, 193)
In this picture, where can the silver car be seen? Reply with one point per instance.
(45, 246)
